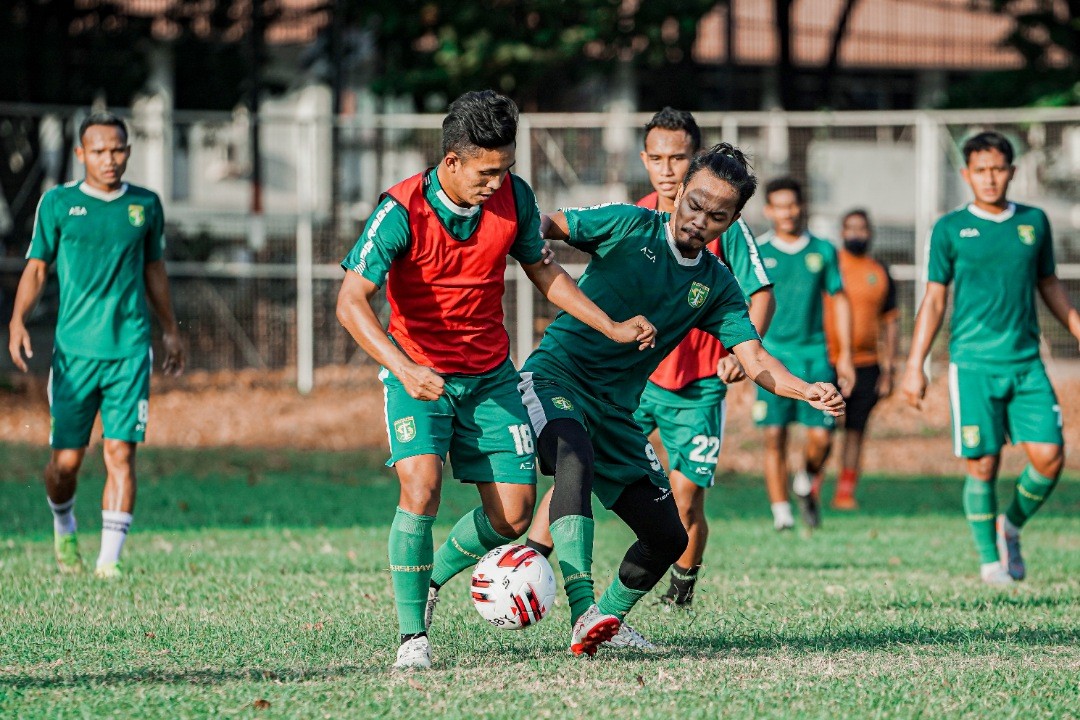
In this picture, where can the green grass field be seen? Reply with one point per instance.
(257, 588)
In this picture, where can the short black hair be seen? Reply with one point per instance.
(784, 183)
(988, 141)
(102, 118)
(479, 119)
(728, 163)
(671, 119)
(857, 212)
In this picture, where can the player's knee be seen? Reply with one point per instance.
(674, 543)
(1050, 462)
(775, 439)
(984, 468)
(419, 499)
(119, 455)
(514, 521)
(64, 466)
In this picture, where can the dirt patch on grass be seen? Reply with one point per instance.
(345, 411)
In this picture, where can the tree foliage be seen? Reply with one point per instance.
(526, 48)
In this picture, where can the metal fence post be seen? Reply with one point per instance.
(927, 192)
(523, 294)
(305, 286)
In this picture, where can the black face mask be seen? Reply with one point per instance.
(857, 246)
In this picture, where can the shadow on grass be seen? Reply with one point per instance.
(237, 488)
(156, 676)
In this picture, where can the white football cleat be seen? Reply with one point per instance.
(1008, 542)
(414, 654)
(782, 517)
(429, 609)
(995, 574)
(591, 630)
(628, 637)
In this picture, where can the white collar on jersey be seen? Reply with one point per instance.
(788, 248)
(684, 261)
(104, 196)
(1000, 217)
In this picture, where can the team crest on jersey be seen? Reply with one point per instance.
(1027, 234)
(814, 262)
(697, 295)
(562, 403)
(137, 215)
(969, 434)
(405, 429)
(770, 263)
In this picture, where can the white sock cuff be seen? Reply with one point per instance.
(115, 520)
(61, 507)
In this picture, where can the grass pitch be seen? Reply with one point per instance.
(257, 588)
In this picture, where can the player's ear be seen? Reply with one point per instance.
(451, 161)
(79, 154)
(644, 158)
(679, 194)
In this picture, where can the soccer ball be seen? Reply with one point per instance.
(513, 587)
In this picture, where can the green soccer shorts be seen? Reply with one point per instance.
(479, 422)
(772, 410)
(692, 436)
(622, 453)
(79, 387)
(988, 407)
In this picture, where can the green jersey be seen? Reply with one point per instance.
(995, 263)
(802, 271)
(387, 234)
(636, 270)
(101, 244)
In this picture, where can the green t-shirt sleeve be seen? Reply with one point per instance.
(599, 228)
(939, 256)
(1047, 266)
(528, 248)
(45, 241)
(743, 257)
(833, 282)
(728, 318)
(155, 234)
(385, 237)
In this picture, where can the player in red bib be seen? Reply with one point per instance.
(438, 241)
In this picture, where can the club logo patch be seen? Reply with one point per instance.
(697, 295)
(1027, 234)
(770, 263)
(814, 262)
(969, 434)
(562, 403)
(405, 429)
(137, 215)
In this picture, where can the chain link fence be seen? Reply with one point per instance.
(258, 290)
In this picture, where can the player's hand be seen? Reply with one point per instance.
(173, 364)
(914, 385)
(636, 329)
(547, 254)
(885, 384)
(19, 343)
(422, 383)
(730, 370)
(845, 375)
(825, 397)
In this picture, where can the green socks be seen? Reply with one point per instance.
(1032, 489)
(618, 599)
(572, 536)
(980, 506)
(469, 541)
(410, 550)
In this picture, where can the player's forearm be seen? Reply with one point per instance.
(842, 316)
(1057, 300)
(762, 308)
(557, 286)
(892, 337)
(356, 315)
(768, 372)
(157, 292)
(927, 323)
(31, 284)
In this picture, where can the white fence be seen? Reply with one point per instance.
(258, 291)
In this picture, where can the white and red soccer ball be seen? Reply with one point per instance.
(513, 587)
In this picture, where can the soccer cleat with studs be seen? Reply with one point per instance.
(1008, 542)
(592, 630)
(995, 575)
(68, 559)
(429, 608)
(414, 654)
(109, 571)
(628, 637)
